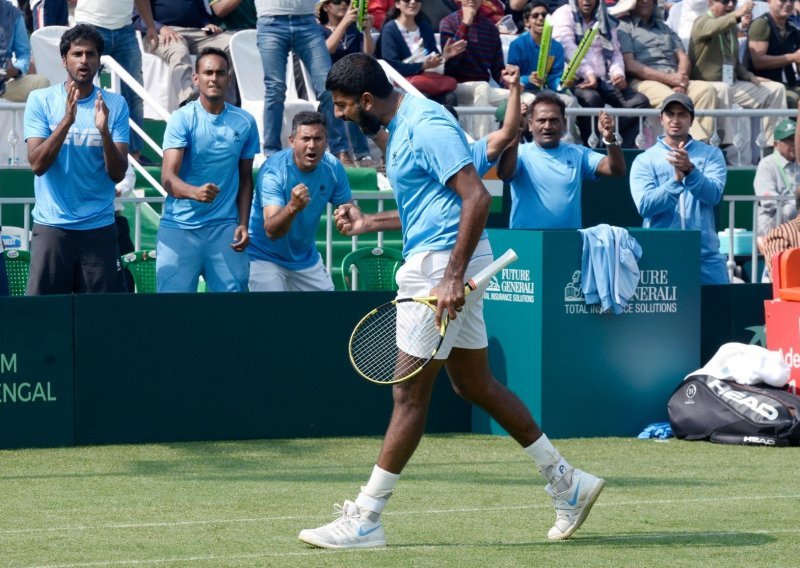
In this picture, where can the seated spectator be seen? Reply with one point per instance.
(773, 49)
(337, 20)
(15, 84)
(524, 52)
(473, 67)
(776, 174)
(185, 28)
(234, 14)
(713, 49)
(778, 239)
(49, 13)
(601, 75)
(655, 59)
(408, 44)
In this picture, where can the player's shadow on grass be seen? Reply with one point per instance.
(684, 538)
(707, 539)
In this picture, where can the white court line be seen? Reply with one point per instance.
(599, 539)
(601, 503)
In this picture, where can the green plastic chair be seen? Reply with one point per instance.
(376, 268)
(17, 264)
(142, 266)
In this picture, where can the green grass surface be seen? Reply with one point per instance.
(465, 500)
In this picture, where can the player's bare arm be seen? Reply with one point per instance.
(475, 202)
(278, 218)
(179, 189)
(614, 163)
(244, 199)
(42, 152)
(350, 220)
(115, 154)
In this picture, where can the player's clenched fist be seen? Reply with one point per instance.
(206, 193)
(349, 219)
(300, 198)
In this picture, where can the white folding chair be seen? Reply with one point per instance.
(47, 55)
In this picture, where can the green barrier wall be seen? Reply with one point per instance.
(36, 372)
(225, 366)
(580, 372)
(732, 313)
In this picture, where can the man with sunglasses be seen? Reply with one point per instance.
(773, 48)
(524, 51)
(714, 49)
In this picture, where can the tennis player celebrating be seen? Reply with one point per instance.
(442, 211)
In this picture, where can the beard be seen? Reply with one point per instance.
(368, 123)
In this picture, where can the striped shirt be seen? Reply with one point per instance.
(779, 239)
(483, 57)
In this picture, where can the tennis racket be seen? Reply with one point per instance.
(395, 341)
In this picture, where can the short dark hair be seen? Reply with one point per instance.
(356, 74)
(550, 98)
(308, 118)
(81, 33)
(531, 5)
(205, 52)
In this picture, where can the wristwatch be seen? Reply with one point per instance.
(616, 142)
(690, 170)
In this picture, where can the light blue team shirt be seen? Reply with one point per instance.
(213, 144)
(426, 148)
(546, 187)
(327, 183)
(663, 202)
(479, 150)
(76, 191)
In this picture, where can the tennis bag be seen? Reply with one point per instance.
(707, 408)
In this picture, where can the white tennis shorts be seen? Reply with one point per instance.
(267, 276)
(423, 271)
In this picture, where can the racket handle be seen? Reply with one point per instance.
(496, 266)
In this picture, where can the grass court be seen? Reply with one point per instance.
(464, 500)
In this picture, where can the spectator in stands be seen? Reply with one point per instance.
(113, 20)
(714, 50)
(476, 65)
(294, 187)
(209, 147)
(776, 174)
(601, 75)
(49, 13)
(15, 50)
(408, 44)
(184, 29)
(677, 183)
(77, 136)
(655, 58)
(337, 19)
(779, 239)
(546, 176)
(234, 14)
(773, 48)
(524, 51)
(285, 26)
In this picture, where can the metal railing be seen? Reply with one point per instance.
(754, 200)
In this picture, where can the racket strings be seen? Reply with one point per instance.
(395, 341)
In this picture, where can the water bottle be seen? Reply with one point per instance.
(13, 138)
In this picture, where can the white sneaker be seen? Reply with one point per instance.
(353, 529)
(574, 504)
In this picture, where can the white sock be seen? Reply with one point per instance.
(376, 492)
(551, 464)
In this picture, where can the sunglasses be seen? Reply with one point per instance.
(727, 2)
(411, 1)
(337, 2)
(537, 15)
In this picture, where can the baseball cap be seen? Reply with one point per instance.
(680, 98)
(784, 129)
